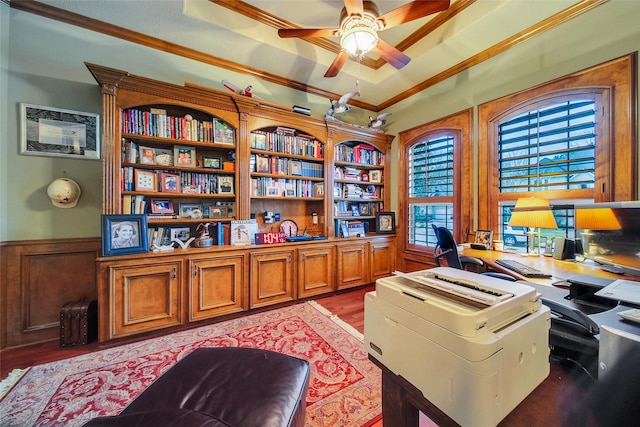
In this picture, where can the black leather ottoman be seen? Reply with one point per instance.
(239, 387)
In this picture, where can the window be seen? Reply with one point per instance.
(549, 148)
(430, 175)
(432, 185)
(556, 141)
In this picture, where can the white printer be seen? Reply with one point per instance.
(474, 345)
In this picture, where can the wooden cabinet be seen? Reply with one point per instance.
(316, 272)
(164, 152)
(352, 260)
(140, 298)
(382, 258)
(217, 286)
(272, 277)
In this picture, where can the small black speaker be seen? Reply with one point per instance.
(564, 248)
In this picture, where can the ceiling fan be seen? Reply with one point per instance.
(360, 22)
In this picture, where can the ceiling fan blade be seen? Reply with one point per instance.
(337, 64)
(414, 10)
(354, 7)
(306, 32)
(390, 54)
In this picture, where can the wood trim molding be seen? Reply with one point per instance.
(91, 24)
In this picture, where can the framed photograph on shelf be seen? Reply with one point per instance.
(182, 233)
(355, 210)
(190, 210)
(364, 209)
(54, 132)
(162, 206)
(212, 162)
(169, 182)
(124, 234)
(262, 164)
(296, 167)
(386, 222)
(184, 156)
(318, 190)
(145, 180)
(225, 184)
(223, 133)
(273, 191)
(218, 212)
(147, 155)
(484, 238)
(375, 175)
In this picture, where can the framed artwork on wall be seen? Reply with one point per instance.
(55, 132)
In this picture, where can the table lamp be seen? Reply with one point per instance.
(595, 219)
(532, 212)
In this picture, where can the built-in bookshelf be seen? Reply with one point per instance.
(286, 163)
(359, 183)
(176, 165)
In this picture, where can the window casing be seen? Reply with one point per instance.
(556, 141)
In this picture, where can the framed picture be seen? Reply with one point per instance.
(375, 175)
(188, 210)
(290, 192)
(184, 156)
(484, 237)
(212, 162)
(183, 234)
(124, 234)
(145, 180)
(386, 222)
(273, 191)
(355, 210)
(161, 206)
(147, 155)
(169, 182)
(218, 212)
(364, 209)
(225, 184)
(262, 164)
(55, 132)
(318, 190)
(296, 167)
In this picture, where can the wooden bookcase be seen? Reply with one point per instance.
(276, 161)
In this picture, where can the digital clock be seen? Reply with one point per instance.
(270, 238)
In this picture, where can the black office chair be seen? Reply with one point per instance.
(446, 249)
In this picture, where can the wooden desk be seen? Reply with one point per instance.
(560, 270)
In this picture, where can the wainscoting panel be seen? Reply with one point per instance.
(38, 277)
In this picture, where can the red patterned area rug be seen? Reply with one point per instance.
(345, 387)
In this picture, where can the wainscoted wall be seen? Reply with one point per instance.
(36, 278)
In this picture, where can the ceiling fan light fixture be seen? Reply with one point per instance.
(359, 40)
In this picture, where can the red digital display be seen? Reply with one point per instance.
(270, 238)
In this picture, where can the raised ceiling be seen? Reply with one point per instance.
(242, 36)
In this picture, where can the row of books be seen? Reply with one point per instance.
(285, 166)
(364, 154)
(286, 142)
(156, 122)
(280, 187)
(357, 191)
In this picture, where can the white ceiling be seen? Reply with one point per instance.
(210, 28)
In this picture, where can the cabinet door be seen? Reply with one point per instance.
(352, 265)
(382, 254)
(271, 277)
(216, 286)
(144, 298)
(315, 270)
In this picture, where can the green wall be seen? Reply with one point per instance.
(42, 63)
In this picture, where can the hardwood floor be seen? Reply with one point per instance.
(349, 306)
